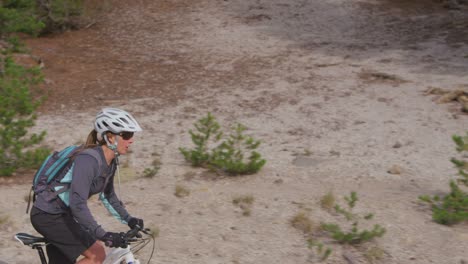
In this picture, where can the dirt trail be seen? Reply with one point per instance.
(334, 89)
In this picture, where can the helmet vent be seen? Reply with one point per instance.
(115, 120)
(117, 124)
(124, 120)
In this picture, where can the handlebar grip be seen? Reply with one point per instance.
(108, 243)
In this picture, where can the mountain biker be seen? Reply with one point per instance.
(71, 230)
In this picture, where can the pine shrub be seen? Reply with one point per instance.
(354, 235)
(206, 128)
(17, 115)
(60, 15)
(46, 16)
(322, 251)
(19, 16)
(453, 207)
(230, 156)
(462, 165)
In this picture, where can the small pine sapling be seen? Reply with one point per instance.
(462, 166)
(453, 207)
(229, 155)
(322, 251)
(206, 127)
(354, 235)
(450, 209)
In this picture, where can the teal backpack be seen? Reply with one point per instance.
(51, 175)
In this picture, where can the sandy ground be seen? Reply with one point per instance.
(334, 89)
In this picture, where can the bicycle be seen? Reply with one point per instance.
(133, 239)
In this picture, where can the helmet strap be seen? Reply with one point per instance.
(113, 146)
(116, 154)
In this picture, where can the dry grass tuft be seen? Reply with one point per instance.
(328, 201)
(244, 202)
(374, 254)
(303, 223)
(181, 191)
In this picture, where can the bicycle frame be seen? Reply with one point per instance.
(118, 255)
(113, 256)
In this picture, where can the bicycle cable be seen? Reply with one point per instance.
(142, 243)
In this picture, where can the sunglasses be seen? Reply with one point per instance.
(126, 135)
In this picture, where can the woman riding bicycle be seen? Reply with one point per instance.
(69, 226)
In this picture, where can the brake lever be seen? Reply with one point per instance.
(131, 240)
(131, 233)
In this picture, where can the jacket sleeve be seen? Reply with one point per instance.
(84, 169)
(113, 204)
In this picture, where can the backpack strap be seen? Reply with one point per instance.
(95, 154)
(61, 189)
(58, 187)
(51, 168)
(31, 194)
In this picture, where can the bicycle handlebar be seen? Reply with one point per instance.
(131, 236)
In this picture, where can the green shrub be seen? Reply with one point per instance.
(45, 16)
(462, 165)
(354, 235)
(206, 128)
(453, 207)
(15, 45)
(17, 107)
(229, 156)
(322, 252)
(351, 236)
(19, 16)
(450, 209)
(60, 15)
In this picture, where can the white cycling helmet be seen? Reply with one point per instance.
(115, 121)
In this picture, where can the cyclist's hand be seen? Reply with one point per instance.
(114, 240)
(133, 222)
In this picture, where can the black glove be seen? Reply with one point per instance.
(133, 222)
(114, 240)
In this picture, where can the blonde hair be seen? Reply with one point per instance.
(93, 141)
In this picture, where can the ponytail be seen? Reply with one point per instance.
(93, 141)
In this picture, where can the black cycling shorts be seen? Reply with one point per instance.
(66, 237)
